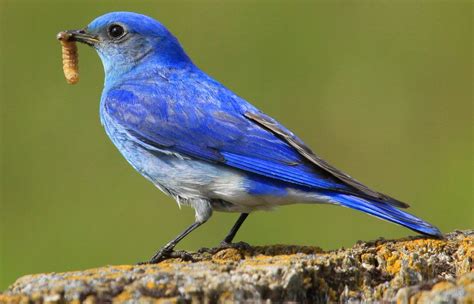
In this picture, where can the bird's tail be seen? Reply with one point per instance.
(386, 212)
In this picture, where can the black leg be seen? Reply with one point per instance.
(230, 236)
(164, 252)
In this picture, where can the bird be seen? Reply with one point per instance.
(202, 144)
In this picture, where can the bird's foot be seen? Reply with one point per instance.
(166, 254)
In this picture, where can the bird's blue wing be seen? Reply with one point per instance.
(214, 125)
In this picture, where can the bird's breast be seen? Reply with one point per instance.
(174, 173)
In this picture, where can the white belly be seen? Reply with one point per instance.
(188, 179)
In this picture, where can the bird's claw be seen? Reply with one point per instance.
(161, 255)
(224, 245)
(165, 254)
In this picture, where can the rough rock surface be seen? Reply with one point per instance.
(407, 271)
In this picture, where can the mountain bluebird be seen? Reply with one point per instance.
(202, 144)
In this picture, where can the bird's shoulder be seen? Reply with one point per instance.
(171, 94)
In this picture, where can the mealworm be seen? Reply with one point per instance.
(70, 58)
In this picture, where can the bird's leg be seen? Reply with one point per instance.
(203, 212)
(166, 251)
(230, 236)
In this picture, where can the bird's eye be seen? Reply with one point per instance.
(116, 31)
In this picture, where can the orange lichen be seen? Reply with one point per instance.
(226, 297)
(395, 253)
(394, 264)
(423, 244)
(442, 286)
(265, 260)
(89, 300)
(150, 285)
(14, 299)
(171, 300)
(226, 255)
(123, 297)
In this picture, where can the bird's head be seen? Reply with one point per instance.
(124, 40)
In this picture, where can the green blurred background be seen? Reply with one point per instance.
(383, 90)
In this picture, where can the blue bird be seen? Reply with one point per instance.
(202, 144)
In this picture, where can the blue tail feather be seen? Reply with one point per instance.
(386, 212)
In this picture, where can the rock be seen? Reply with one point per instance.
(406, 271)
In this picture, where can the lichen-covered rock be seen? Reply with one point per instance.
(407, 271)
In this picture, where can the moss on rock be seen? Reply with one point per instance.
(407, 271)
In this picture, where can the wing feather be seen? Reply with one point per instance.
(225, 129)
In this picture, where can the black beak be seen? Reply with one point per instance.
(79, 36)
